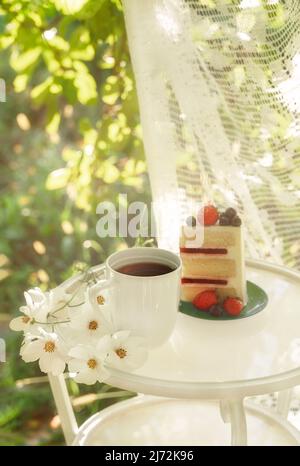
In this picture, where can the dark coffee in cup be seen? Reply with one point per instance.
(145, 269)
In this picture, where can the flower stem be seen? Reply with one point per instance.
(52, 323)
(67, 302)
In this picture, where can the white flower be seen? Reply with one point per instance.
(48, 349)
(97, 297)
(36, 309)
(25, 322)
(35, 297)
(82, 333)
(90, 324)
(88, 362)
(41, 308)
(127, 352)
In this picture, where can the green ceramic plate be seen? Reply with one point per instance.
(257, 301)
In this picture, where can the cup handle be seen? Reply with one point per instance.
(71, 285)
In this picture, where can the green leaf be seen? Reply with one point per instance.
(6, 41)
(69, 7)
(20, 82)
(36, 18)
(53, 124)
(86, 87)
(85, 54)
(118, 4)
(108, 172)
(110, 99)
(58, 179)
(84, 125)
(108, 62)
(81, 45)
(42, 89)
(52, 63)
(90, 137)
(59, 43)
(83, 9)
(20, 62)
(113, 131)
(111, 91)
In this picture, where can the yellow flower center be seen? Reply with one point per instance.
(93, 325)
(49, 347)
(26, 319)
(121, 352)
(100, 299)
(92, 363)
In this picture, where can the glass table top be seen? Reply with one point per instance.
(226, 355)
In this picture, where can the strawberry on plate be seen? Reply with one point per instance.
(205, 300)
(233, 306)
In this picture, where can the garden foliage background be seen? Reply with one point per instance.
(70, 138)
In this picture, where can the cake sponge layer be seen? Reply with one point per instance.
(207, 267)
(210, 237)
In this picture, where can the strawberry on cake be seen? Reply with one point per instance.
(213, 266)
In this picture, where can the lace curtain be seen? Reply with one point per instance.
(219, 92)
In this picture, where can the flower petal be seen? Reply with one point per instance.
(114, 361)
(108, 316)
(93, 293)
(34, 296)
(25, 310)
(121, 336)
(31, 350)
(134, 359)
(57, 366)
(37, 295)
(45, 362)
(77, 365)
(41, 314)
(28, 299)
(17, 324)
(89, 377)
(80, 352)
(102, 374)
(104, 345)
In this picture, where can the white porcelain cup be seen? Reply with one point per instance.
(145, 305)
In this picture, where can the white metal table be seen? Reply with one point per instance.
(206, 364)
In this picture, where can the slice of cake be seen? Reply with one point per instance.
(213, 265)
